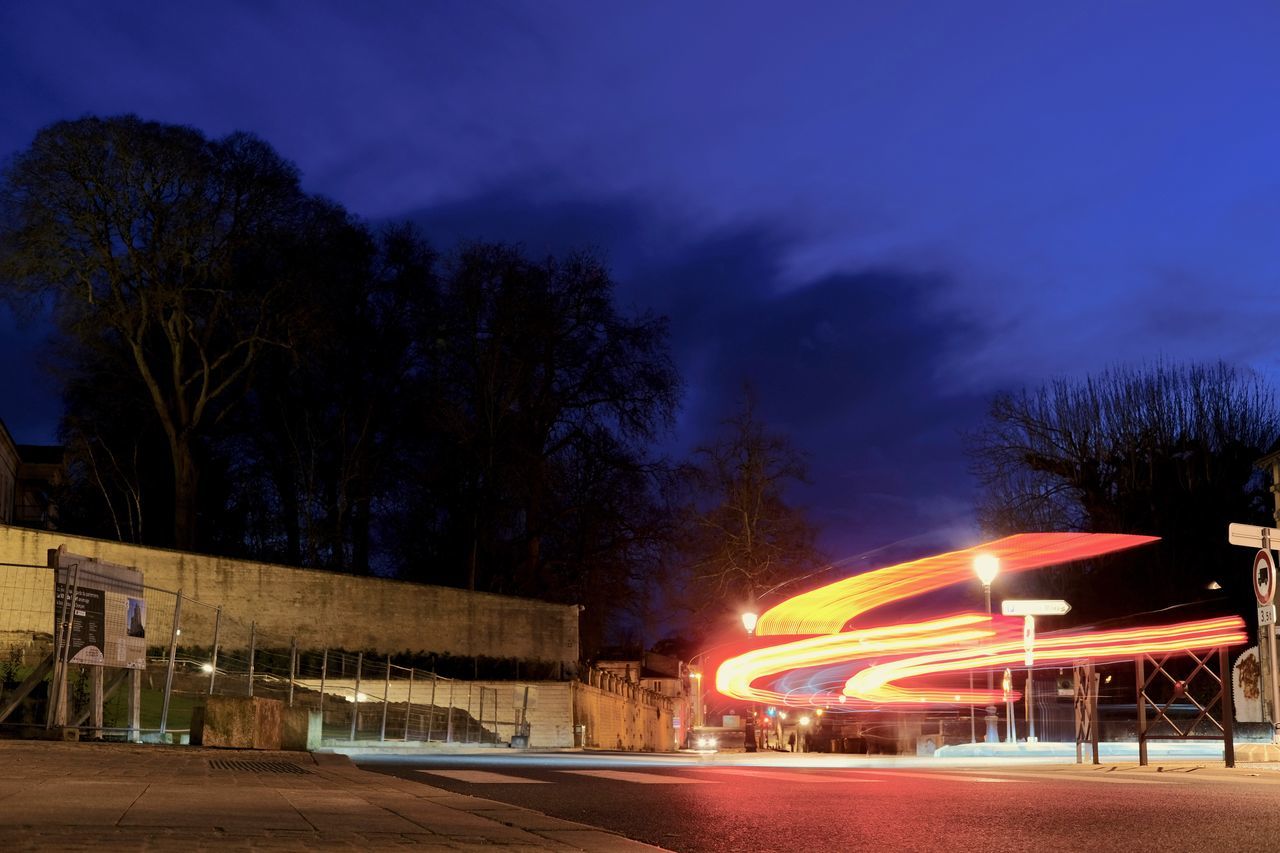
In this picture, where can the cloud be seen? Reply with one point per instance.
(852, 367)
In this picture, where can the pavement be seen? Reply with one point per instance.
(58, 796)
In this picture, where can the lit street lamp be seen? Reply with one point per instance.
(987, 566)
(749, 619)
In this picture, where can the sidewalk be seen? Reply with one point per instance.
(87, 796)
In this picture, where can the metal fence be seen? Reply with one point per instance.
(195, 650)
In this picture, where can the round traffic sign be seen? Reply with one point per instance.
(1264, 577)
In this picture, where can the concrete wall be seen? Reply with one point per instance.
(320, 609)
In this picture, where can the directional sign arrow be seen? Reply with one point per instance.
(1034, 607)
(1253, 537)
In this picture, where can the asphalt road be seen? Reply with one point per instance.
(723, 804)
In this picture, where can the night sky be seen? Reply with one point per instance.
(878, 213)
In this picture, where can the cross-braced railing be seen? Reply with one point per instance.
(1183, 705)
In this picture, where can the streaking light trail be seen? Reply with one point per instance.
(892, 664)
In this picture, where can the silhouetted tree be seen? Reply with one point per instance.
(740, 537)
(535, 368)
(164, 241)
(1166, 451)
(317, 451)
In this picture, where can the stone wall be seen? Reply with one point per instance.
(321, 609)
(632, 720)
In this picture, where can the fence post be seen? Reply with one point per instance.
(135, 705)
(466, 736)
(95, 702)
(386, 692)
(173, 654)
(62, 653)
(213, 664)
(355, 699)
(1228, 711)
(1140, 679)
(293, 666)
(480, 718)
(324, 674)
(408, 705)
(253, 646)
(431, 714)
(448, 735)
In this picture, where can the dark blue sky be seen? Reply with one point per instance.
(878, 213)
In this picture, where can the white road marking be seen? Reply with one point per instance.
(484, 777)
(640, 778)
(950, 777)
(789, 775)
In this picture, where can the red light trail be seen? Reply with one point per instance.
(892, 664)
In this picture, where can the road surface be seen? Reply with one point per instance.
(774, 804)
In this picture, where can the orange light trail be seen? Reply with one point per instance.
(944, 646)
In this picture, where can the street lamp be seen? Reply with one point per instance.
(749, 620)
(986, 567)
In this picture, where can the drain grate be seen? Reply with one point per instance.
(256, 766)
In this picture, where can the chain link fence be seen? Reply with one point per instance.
(194, 650)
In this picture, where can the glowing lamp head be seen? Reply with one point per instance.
(804, 721)
(749, 620)
(987, 566)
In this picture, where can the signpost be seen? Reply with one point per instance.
(1011, 735)
(1263, 577)
(1029, 609)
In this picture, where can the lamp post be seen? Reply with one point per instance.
(696, 675)
(749, 619)
(987, 566)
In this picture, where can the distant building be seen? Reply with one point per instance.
(30, 476)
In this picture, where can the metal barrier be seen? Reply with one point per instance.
(195, 650)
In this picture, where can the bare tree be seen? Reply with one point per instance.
(740, 535)
(1167, 450)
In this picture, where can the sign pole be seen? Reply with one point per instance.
(1264, 588)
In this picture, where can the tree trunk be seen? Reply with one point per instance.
(185, 480)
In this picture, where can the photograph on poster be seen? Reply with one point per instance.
(136, 618)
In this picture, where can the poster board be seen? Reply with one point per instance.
(109, 617)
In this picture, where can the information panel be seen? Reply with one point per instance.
(108, 618)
